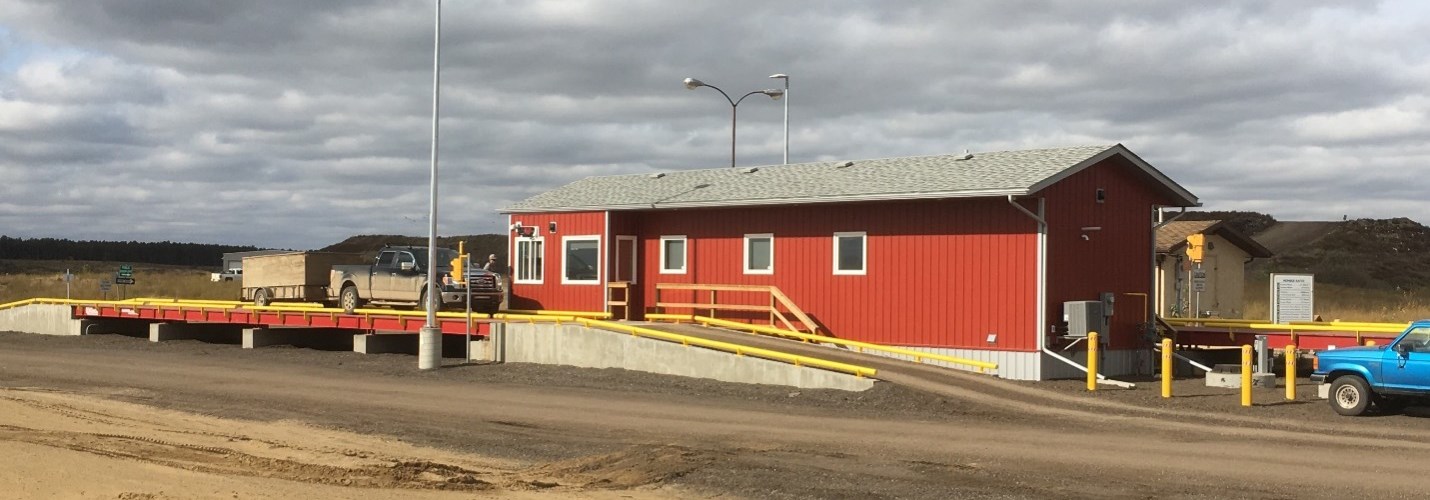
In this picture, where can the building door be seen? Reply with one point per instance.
(625, 266)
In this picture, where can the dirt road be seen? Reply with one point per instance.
(116, 417)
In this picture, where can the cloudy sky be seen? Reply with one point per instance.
(297, 123)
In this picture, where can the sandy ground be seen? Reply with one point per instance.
(117, 417)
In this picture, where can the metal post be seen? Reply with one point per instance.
(467, 283)
(68, 278)
(734, 110)
(1291, 356)
(785, 77)
(1092, 349)
(1197, 309)
(1246, 375)
(1263, 354)
(429, 345)
(1166, 368)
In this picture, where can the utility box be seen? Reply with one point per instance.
(1083, 316)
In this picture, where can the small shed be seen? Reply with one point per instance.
(969, 255)
(1214, 287)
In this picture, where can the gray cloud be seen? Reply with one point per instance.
(295, 124)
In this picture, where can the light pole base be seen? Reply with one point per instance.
(429, 348)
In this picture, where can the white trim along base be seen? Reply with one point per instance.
(1023, 365)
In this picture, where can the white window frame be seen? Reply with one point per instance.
(516, 270)
(745, 251)
(863, 253)
(684, 254)
(566, 240)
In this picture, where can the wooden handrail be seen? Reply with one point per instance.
(779, 303)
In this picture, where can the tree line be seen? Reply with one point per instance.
(160, 252)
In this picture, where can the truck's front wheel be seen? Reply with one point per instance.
(425, 303)
(349, 299)
(1350, 395)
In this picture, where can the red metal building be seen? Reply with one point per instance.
(970, 255)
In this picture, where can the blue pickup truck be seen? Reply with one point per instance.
(1384, 377)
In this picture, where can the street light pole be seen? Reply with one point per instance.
(429, 345)
(692, 84)
(785, 77)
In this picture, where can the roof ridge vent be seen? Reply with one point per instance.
(749, 170)
(846, 164)
(657, 175)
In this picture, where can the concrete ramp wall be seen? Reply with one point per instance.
(46, 319)
(576, 345)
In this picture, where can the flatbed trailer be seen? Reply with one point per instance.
(292, 277)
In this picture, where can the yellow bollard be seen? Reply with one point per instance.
(1166, 368)
(1092, 361)
(1246, 375)
(1291, 371)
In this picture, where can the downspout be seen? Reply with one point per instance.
(1158, 299)
(606, 241)
(1042, 293)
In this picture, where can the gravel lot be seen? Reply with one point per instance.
(683, 437)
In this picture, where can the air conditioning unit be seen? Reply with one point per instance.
(1083, 316)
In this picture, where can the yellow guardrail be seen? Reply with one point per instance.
(739, 350)
(919, 356)
(1292, 327)
(578, 314)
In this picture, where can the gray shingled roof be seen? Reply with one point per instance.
(916, 177)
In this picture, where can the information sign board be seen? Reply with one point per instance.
(1292, 297)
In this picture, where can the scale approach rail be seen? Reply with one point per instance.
(294, 315)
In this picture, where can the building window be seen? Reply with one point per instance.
(672, 254)
(528, 260)
(581, 260)
(849, 253)
(760, 253)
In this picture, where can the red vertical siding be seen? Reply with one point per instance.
(939, 273)
(551, 294)
(1115, 258)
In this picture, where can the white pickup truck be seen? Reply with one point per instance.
(229, 275)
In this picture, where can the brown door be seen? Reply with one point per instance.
(625, 266)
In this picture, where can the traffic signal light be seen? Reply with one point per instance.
(1195, 244)
(458, 272)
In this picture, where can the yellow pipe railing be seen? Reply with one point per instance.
(739, 350)
(918, 356)
(578, 314)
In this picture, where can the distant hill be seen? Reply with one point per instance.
(1247, 223)
(479, 245)
(1381, 254)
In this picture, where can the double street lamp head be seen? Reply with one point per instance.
(773, 94)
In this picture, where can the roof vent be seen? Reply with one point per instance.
(657, 175)
(966, 156)
(750, 170)
(846, 164)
